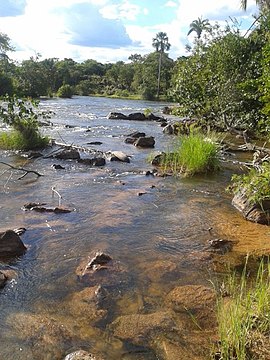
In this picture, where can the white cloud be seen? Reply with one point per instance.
(171, 4)
(124, 11)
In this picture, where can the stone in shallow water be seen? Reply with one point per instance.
(81, 355)
(11, 244)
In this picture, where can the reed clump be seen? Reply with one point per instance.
(195, 153)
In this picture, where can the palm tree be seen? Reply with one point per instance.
(263, 4)
(198, 26)
(161, 44)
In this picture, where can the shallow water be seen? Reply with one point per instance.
(155, 238)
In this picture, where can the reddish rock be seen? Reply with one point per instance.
(11, 244)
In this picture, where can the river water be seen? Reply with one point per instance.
(156, 239)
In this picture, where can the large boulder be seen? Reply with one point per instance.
(116, 116)
(119, 156)
(11, 244)
(145, 142)
(258, 213)
(96, 161)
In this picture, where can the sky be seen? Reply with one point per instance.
(108, 30)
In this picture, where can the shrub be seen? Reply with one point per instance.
(195, 154)
(65, 91)
(22, 116)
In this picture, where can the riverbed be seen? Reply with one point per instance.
(156, 230)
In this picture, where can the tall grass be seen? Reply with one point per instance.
(244, 317)
(194, 154)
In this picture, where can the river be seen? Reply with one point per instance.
(156, 240)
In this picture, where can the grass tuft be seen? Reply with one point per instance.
(15, 140)
(194, 154)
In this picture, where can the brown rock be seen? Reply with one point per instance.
(68, 154)
(11, 244)
(3, 279)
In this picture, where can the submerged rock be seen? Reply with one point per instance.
(3, 279)
(11, 244)
(220, 246)
(42, 207)
(258, 213)
(58, 167)
(198, 300)
(138, 328)
(96, 161)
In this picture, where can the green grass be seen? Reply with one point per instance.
(15, 140)
(244, 317)
(194, 154)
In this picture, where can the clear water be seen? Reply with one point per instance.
(166, 225)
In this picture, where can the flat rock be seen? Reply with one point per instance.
(116, 116)
(137, 328)
(119, 156)
(96, 161)
(11, 244)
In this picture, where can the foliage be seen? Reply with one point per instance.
(65, 91)
(198, 26)
(255, 184)
(218, 82)
(243, 319)
(22, 116)
(194, 154)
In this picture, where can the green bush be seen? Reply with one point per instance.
(22, 116)
(195, 154)
(65, 91)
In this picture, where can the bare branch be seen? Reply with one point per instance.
(26, 172)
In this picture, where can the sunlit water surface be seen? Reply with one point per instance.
(168, 224)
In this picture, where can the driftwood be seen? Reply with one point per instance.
(26, 171)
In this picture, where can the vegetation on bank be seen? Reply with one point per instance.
(22, 116)
(243, 316)
(255, 183)
(195, 153)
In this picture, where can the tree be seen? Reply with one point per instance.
(198, 26)
(161, 44)
(263, 4)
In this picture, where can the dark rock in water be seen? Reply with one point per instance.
(136, 134)
(130, 140)
(158, 159)
(97, 161)
(145, 142)
(221, 246)
(137, 116)
(119, 156)
(258, 213)
(42, 208)
(3, 280)
(11, 244)
(141, 193)
(155, 118)
(99, 259)
(169, 129)
(58, 167)
(117, 116)
(163, 124)
(95, 143)
(81, 355)
(68, 154)
(67, 126)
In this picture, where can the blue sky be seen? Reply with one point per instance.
(107, 30)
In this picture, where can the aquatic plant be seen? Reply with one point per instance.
(194, 154)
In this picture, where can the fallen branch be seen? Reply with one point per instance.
(26, 171)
